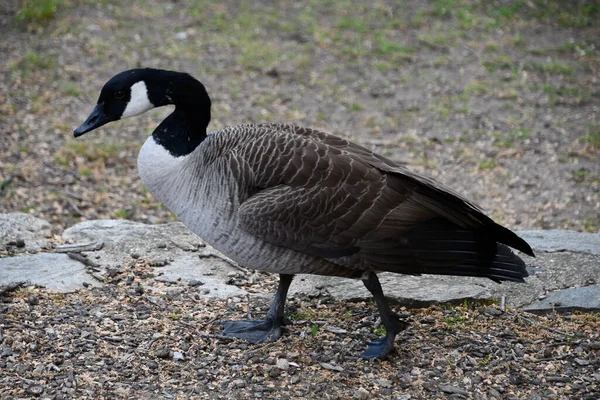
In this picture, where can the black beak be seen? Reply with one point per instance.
(96, 119)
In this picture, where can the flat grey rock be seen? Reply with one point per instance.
(585, 298)
(56, 272)
(564, 259)
(562, 240)
(34, 232)
(210, 273)
(412, 291)
(179, 255)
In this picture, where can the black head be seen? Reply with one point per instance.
(136, 91)
(124, 95)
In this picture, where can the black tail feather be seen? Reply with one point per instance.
(442, 248)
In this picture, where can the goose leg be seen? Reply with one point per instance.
(379, 348)
(257, 331)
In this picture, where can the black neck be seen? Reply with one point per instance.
(182, 131)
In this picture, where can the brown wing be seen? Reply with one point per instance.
(326, 196)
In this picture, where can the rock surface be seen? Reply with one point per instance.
(585, 298)
(564, 260)
(22, 232)
(54, 271)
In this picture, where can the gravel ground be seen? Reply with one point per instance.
(499, 100)
(138, 339)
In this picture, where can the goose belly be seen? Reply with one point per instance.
(223, 233)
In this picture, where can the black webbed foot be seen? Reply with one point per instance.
(261, 330)
(254, 331)
(379, 348)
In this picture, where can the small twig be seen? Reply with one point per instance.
(73, 195)
(472, 51)
(248, 306)
(11, 287)
(77, 209)
(548, 328)
(78, 257)
(79, 247)
(562, 356)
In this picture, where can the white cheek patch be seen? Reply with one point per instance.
(138, 102)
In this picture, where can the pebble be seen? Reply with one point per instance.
(332, 367)
(20, 242)
(32, 300)
(294, 379)
(282, 363)
(361, 393)
(453, 390)
(239, 383)
(177, 356)
(386, 383)
(492, 311)
(582, 362)
(162, 352)
(181, 35)
(195, 282)
(35, 390)
(335, 329)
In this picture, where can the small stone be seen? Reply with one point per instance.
(39, 370)
(332, 367)
(335, 329)
(596, 377)
(384, 383)
(181, 35)
(162, 352)
(492, 311)
(282, 363)
(135, 255)
(295, 379)
(361, 393)
(582, 362)
(35, 390)
(32, 300)
(427, 320)
(20, 242)
(177, 356)
(238, 383)
(453, 390)
(195, 282)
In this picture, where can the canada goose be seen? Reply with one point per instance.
(294, 200)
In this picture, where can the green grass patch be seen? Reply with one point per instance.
(488, 164)
(552, 67)
(33, 61)
(37, 10)
(353, 23)
(71, 89)
(499, 61)
(592, 137)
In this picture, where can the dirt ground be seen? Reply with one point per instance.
(499, 100)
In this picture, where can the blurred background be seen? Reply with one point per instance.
(499, 100)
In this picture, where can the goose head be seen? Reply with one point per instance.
(136, 91)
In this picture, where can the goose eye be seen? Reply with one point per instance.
(120, 95)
